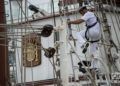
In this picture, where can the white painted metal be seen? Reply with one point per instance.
(64, 57)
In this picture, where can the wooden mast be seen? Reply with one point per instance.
(3, 49)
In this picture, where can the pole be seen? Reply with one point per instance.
(3, 49)
(64, 58)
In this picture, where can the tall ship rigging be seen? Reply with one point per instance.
(39, 48)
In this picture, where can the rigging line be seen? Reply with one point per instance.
(60, 7)
(94, 73)
(105, 66)
(25, 41)
(22, 11)
(117, 13)
(113, 25)
(112, 44)
(15, 49)
(76, 11)
(21, 59)
(78, 27)
(9, 45)
(16, 24)
(56, 37)
(17, 52)
(115, 66)
(107, 45)
(73, 2)
(63, 4)
(54, 68)
(23, 71)
(32, 73)
(11, 15)
(103, 35)
(29, 2)
(28, 28)
(109, 50)
(19, 62)
(40, 46)
(8, 33)
(101, 21)
(73, 67)
(16, 80)
(13, 72)
(19, 14)
(53, 64)
(21, 19)
(103, 47)
(26, 18)
(116, 17)
(90, 76)
(69, 31)
(60, 11)
(53, 11)
(96, 6)
(54, 71)
(14, 65)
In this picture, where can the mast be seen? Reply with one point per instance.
(3, 49)
(64, 58)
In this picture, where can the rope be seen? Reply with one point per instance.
(32, 73)
(25, 47)
(91, 78)
(16, 41)
(73, 67)
(21, 31)
(114, 24)
(86, 70)
(105, 25)
(8, 44)
(55, 72)
(113, 44)
(17, 52)
(117, 17)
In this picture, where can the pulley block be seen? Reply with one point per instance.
(49, 52)
(47, 30)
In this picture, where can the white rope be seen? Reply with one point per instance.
(113, 21)
(91, 78)
(72, 63)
